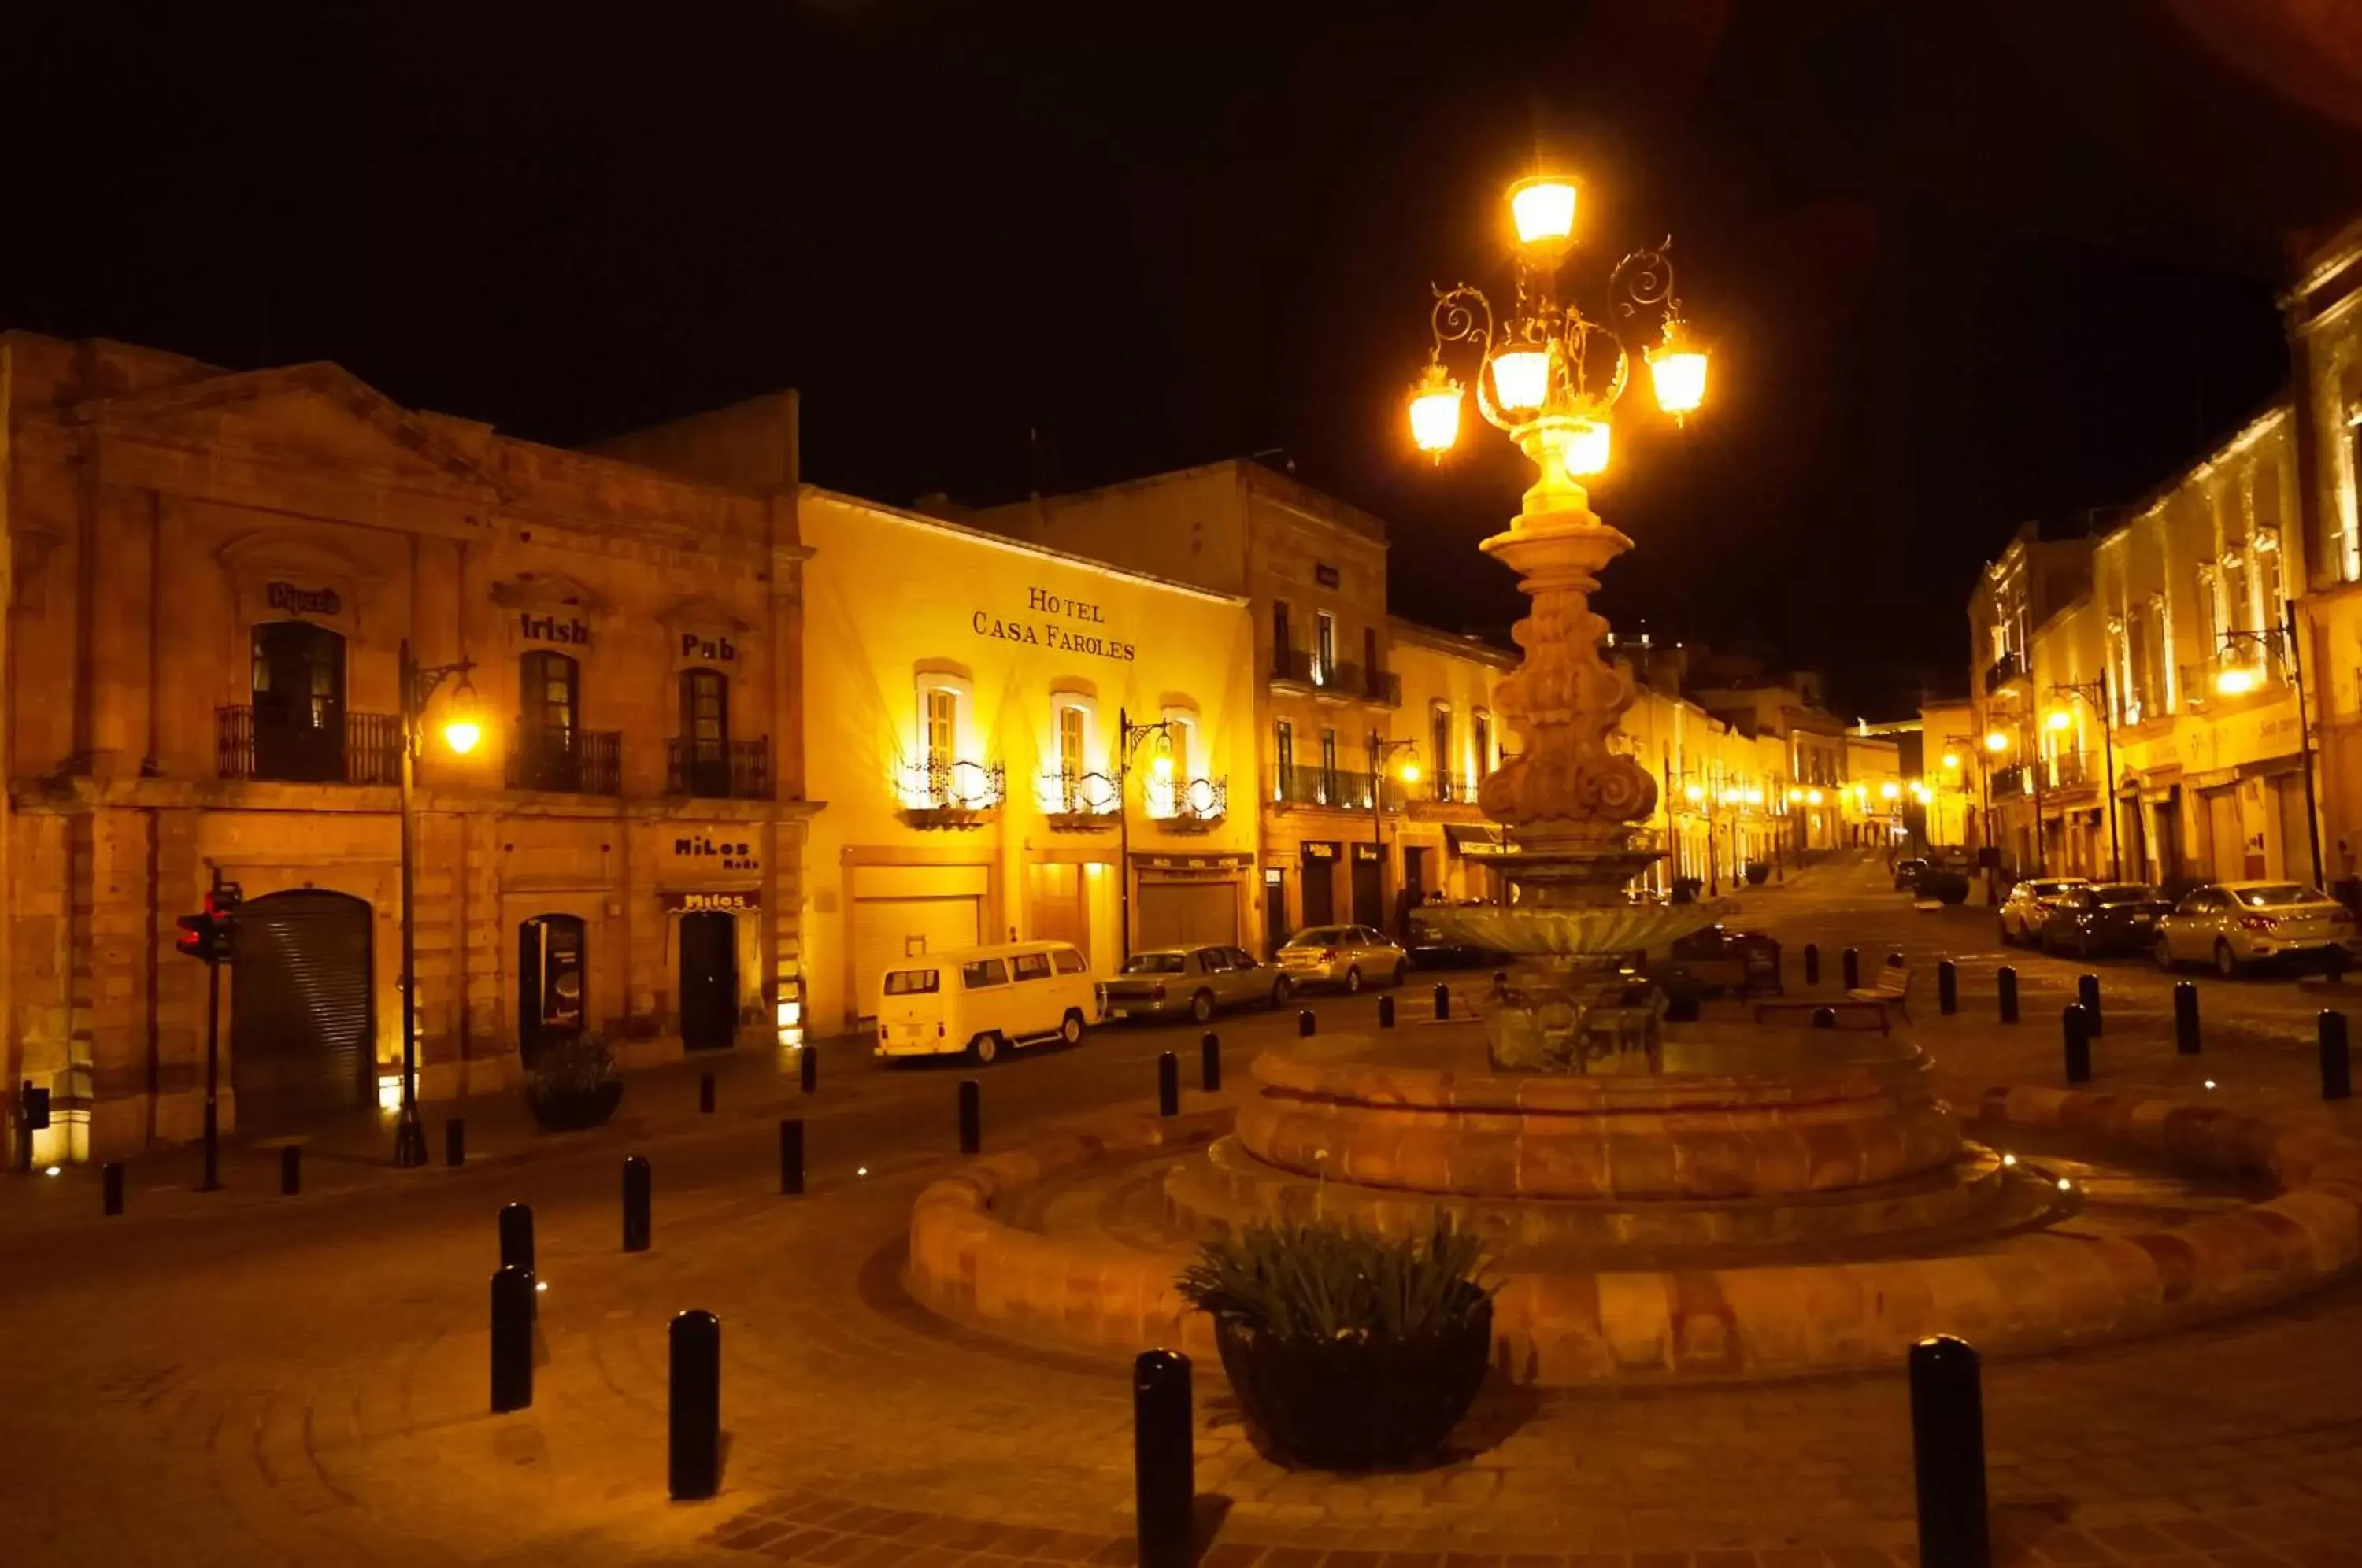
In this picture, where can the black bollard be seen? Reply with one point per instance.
(511, 1339)
(2337, 1063)
(1825, 1018)
(1386, 1012)
(1500, 984)
(290, 1170)
(1894, 957)
(1168, 1084)
(791, 1157)
(2185, 1017)
(2075, 1027)
(2087, 995)
(1948, 987)
(1851, 967)
(635, 1203)
(110, 1189)
(1210, 1062)
(1812, 962)
(1442, 1000)
(1164, 1482)
(971, 1117)
(455, 1142)
(1948, 1447)
(1304, 1022)
(2005, 992)
(2337, 961)
(807, 1067)
(516, 1236)
(705, 1093)
(694, 1469)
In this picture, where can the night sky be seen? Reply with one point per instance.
(1962, 265)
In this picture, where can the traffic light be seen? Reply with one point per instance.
(211, 936)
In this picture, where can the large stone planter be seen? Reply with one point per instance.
(576, 1110)
(1357, 1404)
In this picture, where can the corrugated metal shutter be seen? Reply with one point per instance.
(302, 1034)
(1188, 914)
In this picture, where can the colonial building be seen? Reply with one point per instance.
(1327, 696)
(1444, 848)
(2324, 311)
(1014, 742)
(213, 580)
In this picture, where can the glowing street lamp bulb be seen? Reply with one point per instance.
(1435, 413)
(1692, 793)
(1812, 797)
(2237, 681)
(461, 735)
(1996, 741)
(1521, 379)
(2059, 719)
(1795, 795)
(1409, 770)
(1951, 759)
(2065, 1186)
(1162, 769)
(1677, 369)
(1754, 796)
(1889, 790)
(1586, 448)
(1543, 210)
(2009, 1159)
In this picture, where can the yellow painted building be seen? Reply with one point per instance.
(968, 738)
(2323, 311)
(1443, 847)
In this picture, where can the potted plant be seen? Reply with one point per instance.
(575, 1085)
(1757, 873)
(1347, 1349)
(1947, 887)
(1685, 890)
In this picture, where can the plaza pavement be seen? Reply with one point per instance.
(241, 1378)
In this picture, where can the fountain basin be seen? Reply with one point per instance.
(1737, 1115)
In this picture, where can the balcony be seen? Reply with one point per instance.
(1449, 788)
(719, 770)
(2249, 669)
(565, 762)
(1071, 801)
(1351, 680)
(2011, 780)
(353, 748)
(1293, 666)
(2004, 671)
(1197, 806)
(938, 792)
(1331, 787)
(2071, 770)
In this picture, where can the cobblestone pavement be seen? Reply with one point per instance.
(304, 1381)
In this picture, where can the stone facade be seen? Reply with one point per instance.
(212, 577)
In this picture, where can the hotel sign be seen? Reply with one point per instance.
(1047, 633)
(302, 601)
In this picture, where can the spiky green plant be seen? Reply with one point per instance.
(1330, 1280)
(580, 1066)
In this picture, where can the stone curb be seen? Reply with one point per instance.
(2023, 1295)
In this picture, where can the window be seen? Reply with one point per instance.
(1030, 966)
(1179, 729)
(1327, 766)
(940, 741)
(1440, 737)
(1155, 964)
(1369, 653)
(1216, 960)
(912, 982)
(299, 701)
(1480, 723)
(705, 730)
(984, 972)
(1324, 650)
(1284, 749)
(1281, 642)
(1071, 742)
(1241, 958)
(1066, 961)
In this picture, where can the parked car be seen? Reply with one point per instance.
(2234, 925)
(2108, 917)
(1193, 983)
(982, 1001)
(1906, 872)
(1346, 956)
(2028, 906)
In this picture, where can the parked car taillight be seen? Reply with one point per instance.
(2256, 922)
(1328, 955)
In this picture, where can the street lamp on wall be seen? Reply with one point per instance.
(1130, 738)
(461, 731)
(2094, 694)
(1407, 771)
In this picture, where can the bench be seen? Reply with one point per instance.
(1865, 1006)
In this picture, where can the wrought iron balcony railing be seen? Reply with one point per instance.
(351, 748)
(1079, 800)
(565, 762)
(2003, 671)
(1294, 666)
(719, 770)
(1193, 807)
(1303, 786)
(942, 785)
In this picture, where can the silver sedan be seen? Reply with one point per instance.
(1346, 956)
(1192, 983)
(2234, 925)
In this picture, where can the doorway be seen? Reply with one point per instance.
(1320, 884)
(1414, 879)
(709, 980)
(299, 703)
(549, 983)
(1369, 888)
(1275, 911)
(302, 1029)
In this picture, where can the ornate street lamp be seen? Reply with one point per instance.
(1551, 377)
(461, 731)
(2095, 692)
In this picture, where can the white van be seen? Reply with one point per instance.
(983, 1000)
